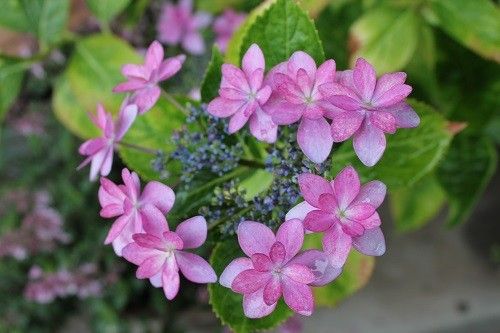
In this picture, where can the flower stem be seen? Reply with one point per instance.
(174, 102)
(139, 148)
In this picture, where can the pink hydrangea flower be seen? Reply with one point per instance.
(178, 24)
(366, 108)
(296, 97)
(345, 211)
(275, 268)
(99, 151)
(160, 254)
(242, 94)
(143, 80)
(132, 207)
(225, 25)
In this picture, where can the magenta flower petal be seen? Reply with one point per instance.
(359, 212)
(222, 107)
(299, 273)
(131, 85)
(319, 264)
(238, 120)
(116, 228)
(253, 60)
(283, 112)
(393, 96)
(146, 98)
(372, 193)
(369, 144)
(315, 139)
(326, 72)
(272, 291)
(365, 78)
(126, 117)
(302, 60)
(250, 281)
(291, 235)
(170, 278)
(347, 186)
(312, 186)
(319, 221)
(255, 237)
(193, 232)
(277, 253)
(345, 124)
(135, 72)
(92, 146)
(153, 242)
(153, 220)
(170, 66)
(371, 243)
(337, 244)
(371, 222)
(149, 267)
(262, 126)
(299, 211)
(159, 195)
(254, 305)
(388, 81)
(327, 203)
(298, 296)
(261, 262)
(137, 254)
(195, 268)
(111, 210)
(233, 269)
(404, 115)
(383, 120)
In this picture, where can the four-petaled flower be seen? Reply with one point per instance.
(225, 25)
(344, 210)
(242, 94)
(99, 151)
(296, 97)
(132, 207)
(143, 80)
(160, 254)
(276, 268)
(178, 24)
(366, 108)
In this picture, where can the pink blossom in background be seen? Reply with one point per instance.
(225, 25)
(345, 211)
(160, 254)
(100, 151)
(242, 94)
(366, 108)
(178, 24)
(274, 268)
(296, 97)
(131, 207)
(142, 80)
(293, 325)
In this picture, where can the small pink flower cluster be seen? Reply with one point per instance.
(141, 234)
(358, 105)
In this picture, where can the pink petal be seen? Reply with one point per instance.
(371, 222)
(298, 296)
(347, 186)
(195, 268)
(173, 240)
(132, 84)
(312, 186)
(238, 120)
(261, 262)
(253, 60)
(328, 203)
(255, 237)
(371, 243)
(383, 120)
(277, 253)
(388, 81)
(92, 146)
(369, 144)
(233, 77)
(352, 228)
(146, 98)
(222, 107)
(154, 56)
(255, 80)
(337, 245)
(149, 241)
(254, 305)
(372, 193)
(117, 228)
(319, 264)
(159, 195)
(359, 212)
(326, 72)
(108, 162)
(335, 89)
(170, 66)
(250, 281)
(150, 267)
(153, 220)
(262, 126)
(137, 254)
(170, 278)
(193, 232)
(319, 221)
(156, 279)
(97, 163)
(299, 211)
(133, 186)
(365, 79)
(302, 60)
(125, 119)
(135, 72)
(405, 116)
(233, 269)
(345, 78)
(282, 111)
(299, 273)
(111, 210)
(263, 94)
(291, 235)
(272, 291)
(110, 193)
(393, 96)
(315, 139)
(345, 124)
(233, 94)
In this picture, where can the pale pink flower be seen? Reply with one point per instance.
(242, 94)
(132, 207)
(345, 211)
(225, 25)
(160, 254)
(99, 151)
(366, 108)
(179, 25)
(143, 80)
(275, 268)
(296, 97)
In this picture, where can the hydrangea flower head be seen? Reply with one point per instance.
(132, 207)
(160, 254)
(296, 97)
(242, 94)
(100, 151)
(143, 80)
(179, 25)
(225, 25)
(366, 108)
(344, 210)
(275, 268)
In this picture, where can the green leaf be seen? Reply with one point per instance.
(281, 30)
(410, 154)
(386, 37)
(12, 16)
(11, 78)
(464, 173)
(412, 207)
(94, 69)
(105, 10)
(257, 183)
(227, 304)
(153, 130)
(356, 273)
(475, 24)
(213, 75)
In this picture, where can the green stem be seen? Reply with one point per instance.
(252, 164)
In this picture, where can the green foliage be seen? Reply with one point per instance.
(11, 77)
(213, 75)
(106, 10)
(464, 173)
(227, 304)
(412, 207)
(475, 24)
(410, 153)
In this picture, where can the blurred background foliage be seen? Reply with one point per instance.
(59, 57)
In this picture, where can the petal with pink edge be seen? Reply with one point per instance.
(388, 81)
(238, 120)
(254, 305)
(312, 187)
(326, 72)
(116, 228)
(150, 267)
(195, 268)
(137, 254)
(153, 220)
(359, 212)
(169, 67)
(146, 98)
(125, 119)
(371, 243)
(154, 56)
(236, 266)
(319, 221)
(299, 273)
(222, 107)
(347, 186)
(159, 195)
(300, 211)
(319, 264)
(383, 120)
(291, 235)
(369, 144)
(302, 60)
(298, 296)
(372, 193)
(250, 281)
(337, 244)
(193, 232)
(262, 126)
(282, 112)
(371, 222)
(365, 79)
(405, 116)
(345, 124)
(170, 278)
(253, 60)
(255, 237)
(315, 139)
(272, 291)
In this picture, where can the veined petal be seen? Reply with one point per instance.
(337, 245)
(319, 264)
(291, 235)
(315, 139)
(153, 220)
(277, 253)
(392, 96)
(383, 120)
(347, 186)
(116, 228)
(261, 262)
(254, 305)
(298, 296)
(319, 221)
(222, 107)
(272, 291)
(170, 278)
(193, 232)
(299, 211)
(253, 60)
(282, 112)
(312, 187)
(137, 254)
(372, 193)
(326, 72)
(159, 195)
(195, 268)
(262, 126)
(371, 222)
(150, 267)
(300, 59)
(404, 115)
(146, 98)
(359, 212)
(233, 77)
(365, 79)
(239, 119)
(236, 266)
(299, 273)
(369, 143)
(345, 124)
(255, 237)
(388, 81)
(250, 281)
